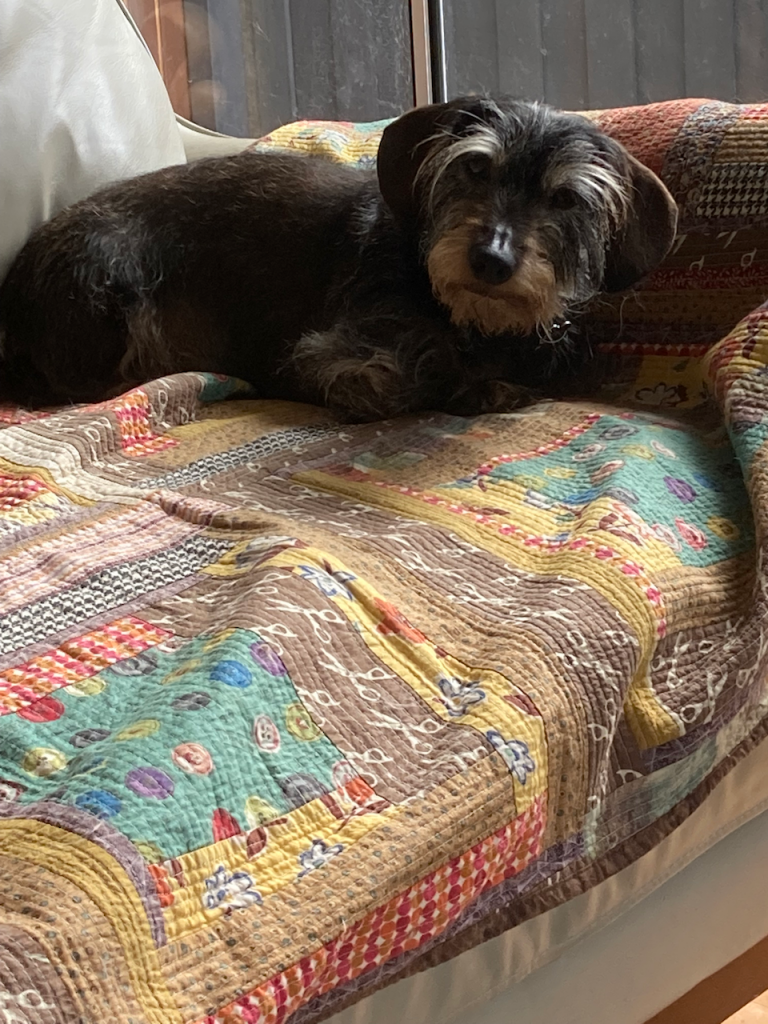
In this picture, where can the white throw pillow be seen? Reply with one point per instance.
(81, 104)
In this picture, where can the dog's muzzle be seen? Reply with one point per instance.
(492, 260)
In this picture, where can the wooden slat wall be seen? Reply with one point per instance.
(564, 52)
(273, 61)
(246, 66)
(519, 35)
(659, 50)
(313, 63)
(610, 39)
(227, 41)
(597, 53)
(268, 64)
(710, 60)
(243, 67)
(751, 47)
(371, 57)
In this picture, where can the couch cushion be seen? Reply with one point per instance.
(81, 104)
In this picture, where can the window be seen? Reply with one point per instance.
(243, 67)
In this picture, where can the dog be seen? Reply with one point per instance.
(447, 280)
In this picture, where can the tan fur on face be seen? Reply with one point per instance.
(529, 298)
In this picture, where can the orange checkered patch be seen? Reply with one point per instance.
(13, 414)
(15, 490)
(136, 435)
(76, 660)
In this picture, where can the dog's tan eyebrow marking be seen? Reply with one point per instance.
(590, 177)
(481, 140)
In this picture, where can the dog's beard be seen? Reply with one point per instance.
(528, 300)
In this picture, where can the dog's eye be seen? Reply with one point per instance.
(563, 199)
(478, 167)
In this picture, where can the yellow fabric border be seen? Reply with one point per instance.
(271, 870)
(45, 477)
(415, 662)
(650, 722)
(97, 872)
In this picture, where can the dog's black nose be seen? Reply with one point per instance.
(493, 262)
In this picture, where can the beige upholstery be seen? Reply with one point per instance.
(198, 142)
(81, 104)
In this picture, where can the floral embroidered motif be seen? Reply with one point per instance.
(229, 892)
(623, 495)
(662, 449)
(515, 754)
(317, 856)
(619, 526)
(680, 488)
(10, 790)
(459, 696)
(691, 534)
(328, 581)
(591, 451)
(666, 536)
(268, 659)
(394, 622)
(617, 432)
(662, 395)
(607, 469)
(723, 528)
(639, 451)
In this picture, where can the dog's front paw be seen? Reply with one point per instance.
(489, 396)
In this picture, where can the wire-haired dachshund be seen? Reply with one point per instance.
(446, 280)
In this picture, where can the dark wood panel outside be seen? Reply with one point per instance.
(751, 29)
(313, 59)
(595, 53)
(371, 46)
(243, 67)
(710, 58)
(519, 45)
(659, 50)
(246, 66)
(610, 39)
(273, 61)
(564, 52)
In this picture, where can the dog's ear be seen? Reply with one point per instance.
(405, 145)
(648, 231)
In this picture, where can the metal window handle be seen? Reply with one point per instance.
(430, 78)
(438, 50)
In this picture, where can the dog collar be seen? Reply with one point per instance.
(558, 331)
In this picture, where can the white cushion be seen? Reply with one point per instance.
(81, 104)
(199, 142)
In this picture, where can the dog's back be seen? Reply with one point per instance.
(190, 267)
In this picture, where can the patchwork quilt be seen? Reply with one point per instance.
(290, 709)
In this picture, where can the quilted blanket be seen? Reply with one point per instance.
(291, 709)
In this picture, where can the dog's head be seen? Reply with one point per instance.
(521, 211)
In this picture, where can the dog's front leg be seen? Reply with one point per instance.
(489, 395)
(376, 368)
(495, 378)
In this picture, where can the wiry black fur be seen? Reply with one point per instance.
(290, 272)
(575, 232)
